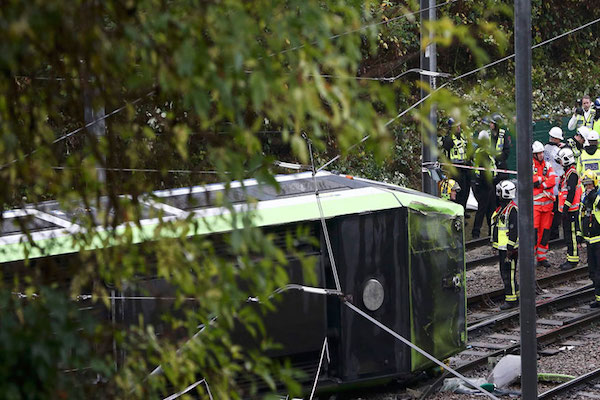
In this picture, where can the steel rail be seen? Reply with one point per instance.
(559, 302)
(494, 257)
(543, 339)
(542, 282)
(570, 384)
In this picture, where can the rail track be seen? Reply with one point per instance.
(490, 334)
(485, 260)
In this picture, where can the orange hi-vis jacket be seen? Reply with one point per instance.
(570, 184)
(543, 194)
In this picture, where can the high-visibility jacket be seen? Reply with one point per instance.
(597, 126)
(505, 227)
(500, 141)
(583, 121)
(570, 190)
(589, 161)
(576, 147)
(484, 160)
(589, 217)
(458, 152)
(543, 194)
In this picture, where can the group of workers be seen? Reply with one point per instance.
(565, 187)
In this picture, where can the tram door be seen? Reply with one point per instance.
(371, 256)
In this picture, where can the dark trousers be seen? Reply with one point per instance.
(593, 251)
(570, 222)
(508, 273)
(486, 204)
(463, 177)
(554, 230)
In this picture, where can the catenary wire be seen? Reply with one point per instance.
(367, 26)
(401, 114)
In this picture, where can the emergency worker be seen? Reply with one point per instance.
(455, 144)
(568, 205)
(449, 189)
(577, 142)
(483, 187)
(501, 143)
(544, 180)
(551, 150)
(583, 115)
(590, 227)
(505, 238)
(590, 156)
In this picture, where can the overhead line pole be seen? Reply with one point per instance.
(525, 184)
(429, 63)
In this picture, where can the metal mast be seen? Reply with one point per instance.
(525, 184)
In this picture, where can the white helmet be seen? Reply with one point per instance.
(537, 147)
(483, 135)
(556, 133)
(506, 190)
(592, 135)
(583, 131)
(566, 157)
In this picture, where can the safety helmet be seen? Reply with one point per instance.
(484, 134)
(584, 131)
(497, 118)
(566, 157)
(506, 190)
(592, 135)
(447, 186)
(589, 176)
(597, 103)
(556, 133)
(451, 122)
(537, 147)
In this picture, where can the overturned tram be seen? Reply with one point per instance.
(394, 253)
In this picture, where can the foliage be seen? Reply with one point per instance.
(220, 89)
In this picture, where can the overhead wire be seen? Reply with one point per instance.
(333, 37)
(367, 26)
(459, 77)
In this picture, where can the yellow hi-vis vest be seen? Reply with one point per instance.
(500, 142)
(500, 222)
(484, 160)
(589, 162)
(458, 153)
(586, 223)
(581, 121)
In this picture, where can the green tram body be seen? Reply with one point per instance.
(406, 244)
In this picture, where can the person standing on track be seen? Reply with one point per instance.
(590, 227)
(569, 199)
(483, 187)
(551, 150)
(505, 238)
(455, 144)
(544, 180)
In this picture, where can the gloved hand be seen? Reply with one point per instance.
(565, 209)
(537, 184)
(513, 254)
(579, 239)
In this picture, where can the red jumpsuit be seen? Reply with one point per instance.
(544, 180)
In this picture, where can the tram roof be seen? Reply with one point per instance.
(51, 230)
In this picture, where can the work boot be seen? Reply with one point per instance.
(544, 263)
(567, 266)
(475, 235)
(507, 305)
(595, 304)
